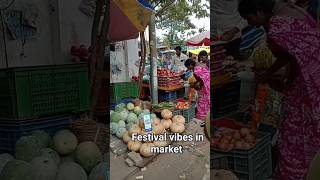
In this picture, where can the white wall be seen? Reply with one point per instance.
(60, 25)
(126, 55)
(37, 51)
(75, 28)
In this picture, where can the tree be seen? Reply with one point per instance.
(176, 19)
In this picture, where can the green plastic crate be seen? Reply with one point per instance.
(33, 92)
(124, 90)
(189, 113)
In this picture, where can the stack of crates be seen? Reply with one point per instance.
(167, 96)
(252, 164)
(33, 92)
(225, 99)
(40, 98)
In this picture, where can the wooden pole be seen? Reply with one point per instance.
(99, 49)
(142, 62)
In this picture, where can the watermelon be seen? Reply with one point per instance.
(132, 117)
(99, 172)
(71, 171)
(4, 158)
(129, 125)
(88, 155)
(16, 170)
(113, 127)
(146, 111)
(121, 123)
(124, 115)
(115, 117)
(65, 142)
(120, 132)
(42, 137)
(137, 110)
(50, 153)
(120, 107)
(43, 168)
(130, 106)
(27, 148)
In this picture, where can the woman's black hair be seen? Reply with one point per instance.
(189, 62)
(252, 7)
(178, 48)
(203, 53)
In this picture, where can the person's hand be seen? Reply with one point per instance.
(229, 35)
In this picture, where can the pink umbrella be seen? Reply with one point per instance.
(200, 39)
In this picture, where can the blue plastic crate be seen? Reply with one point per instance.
(252, 164)
(167, 96)
(11, 131)
(125, 101)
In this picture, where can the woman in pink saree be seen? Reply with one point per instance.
(294, 38)
(202, 75)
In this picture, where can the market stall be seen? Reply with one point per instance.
(246, 115)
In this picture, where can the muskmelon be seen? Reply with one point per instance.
(42, 137)
(50, 153)
(16, 170)
(65, 142)
(43, 168)
(27, 148)
(71, 171)
(88, 155)
(4, 158)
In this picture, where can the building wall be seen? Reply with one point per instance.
(60, 25)
(125, 57)
(34, 52)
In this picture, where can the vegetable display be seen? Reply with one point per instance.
(167, 78)
(135, 124)
(61, 159)
(225, 139)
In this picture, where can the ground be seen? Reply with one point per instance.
(193, 164)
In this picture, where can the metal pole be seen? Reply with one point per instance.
(153, 59)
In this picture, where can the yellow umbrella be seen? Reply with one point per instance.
(197, 51)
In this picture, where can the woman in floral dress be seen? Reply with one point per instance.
(294, 38)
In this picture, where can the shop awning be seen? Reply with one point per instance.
(200, 39)
(202, 48)
(128, 18)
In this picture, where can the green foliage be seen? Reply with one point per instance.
(176, 19)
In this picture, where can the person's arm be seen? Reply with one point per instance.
(242, 24)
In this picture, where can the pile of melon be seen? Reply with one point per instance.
(124, 116)
(61, 157)
(169, 123)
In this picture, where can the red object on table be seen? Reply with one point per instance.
(226, 123)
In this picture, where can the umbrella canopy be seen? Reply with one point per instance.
(202, 48)
(200, 39)
(128, 18)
